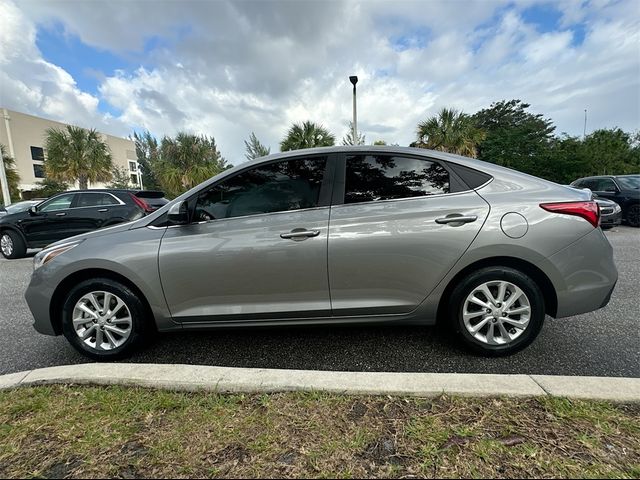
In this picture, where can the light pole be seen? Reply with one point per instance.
(4, 185)
(584, 132)
(354, 79)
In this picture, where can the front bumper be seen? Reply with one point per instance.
(611, 220)
(38, 297)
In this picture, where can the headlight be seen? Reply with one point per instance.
(48, 254)
(617, 208)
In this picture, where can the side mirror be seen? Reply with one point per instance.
(178, 213)
(33, 210)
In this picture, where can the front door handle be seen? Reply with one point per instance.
(456, 218)
(300, 234)
(60, 214)
(103, 210)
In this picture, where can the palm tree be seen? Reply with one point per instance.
(307, 135)
(450, 131)
(349, 139)
(187, 160)
(13, 178)
(77, 154)
(255, 149)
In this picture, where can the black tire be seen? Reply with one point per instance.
(633, 215)
(140, 321)
(490, 274)
(15, 248)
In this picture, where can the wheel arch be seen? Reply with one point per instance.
(13, 228)
(536, 274)
(57, 299)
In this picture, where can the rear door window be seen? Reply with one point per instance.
(96, 200)
(371, 178)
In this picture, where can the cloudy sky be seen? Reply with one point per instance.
(228, 68)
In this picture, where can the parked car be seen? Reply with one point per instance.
(18, 207)
(68, 214)
(341, 235)
(154, 199)
(610, 212)
(622, 189)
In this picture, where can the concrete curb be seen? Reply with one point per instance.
(253, 380)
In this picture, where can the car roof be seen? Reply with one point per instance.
(486, 167)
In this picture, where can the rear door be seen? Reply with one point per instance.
(393, 234)
(92, 210)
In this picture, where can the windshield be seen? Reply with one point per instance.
(630, 182)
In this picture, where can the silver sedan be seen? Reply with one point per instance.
(334, 236)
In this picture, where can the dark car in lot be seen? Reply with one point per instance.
(622, 189)
(610, 212)
(73, 213)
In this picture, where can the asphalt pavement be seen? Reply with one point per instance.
(601, 343)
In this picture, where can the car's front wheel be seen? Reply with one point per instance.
(103, 319)
(497, 310)
(11, 245)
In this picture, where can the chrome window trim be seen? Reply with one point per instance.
(120, 202)
(405, 199)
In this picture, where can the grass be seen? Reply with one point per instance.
(66, 431)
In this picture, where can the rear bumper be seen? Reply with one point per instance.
(589, 274)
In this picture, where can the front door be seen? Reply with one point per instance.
(395, 235)
(49, 224)
(256, 249)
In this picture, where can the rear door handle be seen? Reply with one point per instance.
(103, 210)
(300, 234)
(456, 218)
(60, 214)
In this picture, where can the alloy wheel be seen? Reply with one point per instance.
(496, 312)
(6, 245)
(102, 320)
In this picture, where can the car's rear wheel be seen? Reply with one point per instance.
(497, 310)
(11, 245)
(103, 319)
(633, 215)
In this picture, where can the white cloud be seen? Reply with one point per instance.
(226, 69)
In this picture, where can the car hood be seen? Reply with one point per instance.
(121, 227)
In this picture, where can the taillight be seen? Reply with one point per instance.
(142, 204)
(590, 211)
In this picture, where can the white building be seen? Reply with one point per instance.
(23, 137)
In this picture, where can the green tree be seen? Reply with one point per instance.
(306, 135)
(148, 153)
(612, 152)
(187, 160)
(255, 149)
(514, 137)
(380, 142)
(450, 131)
(349, 140)
(49, 187)
(76, 154)
(13, 178)
(120, 178)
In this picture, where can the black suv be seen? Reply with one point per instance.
(73, 213)
(622, 189)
